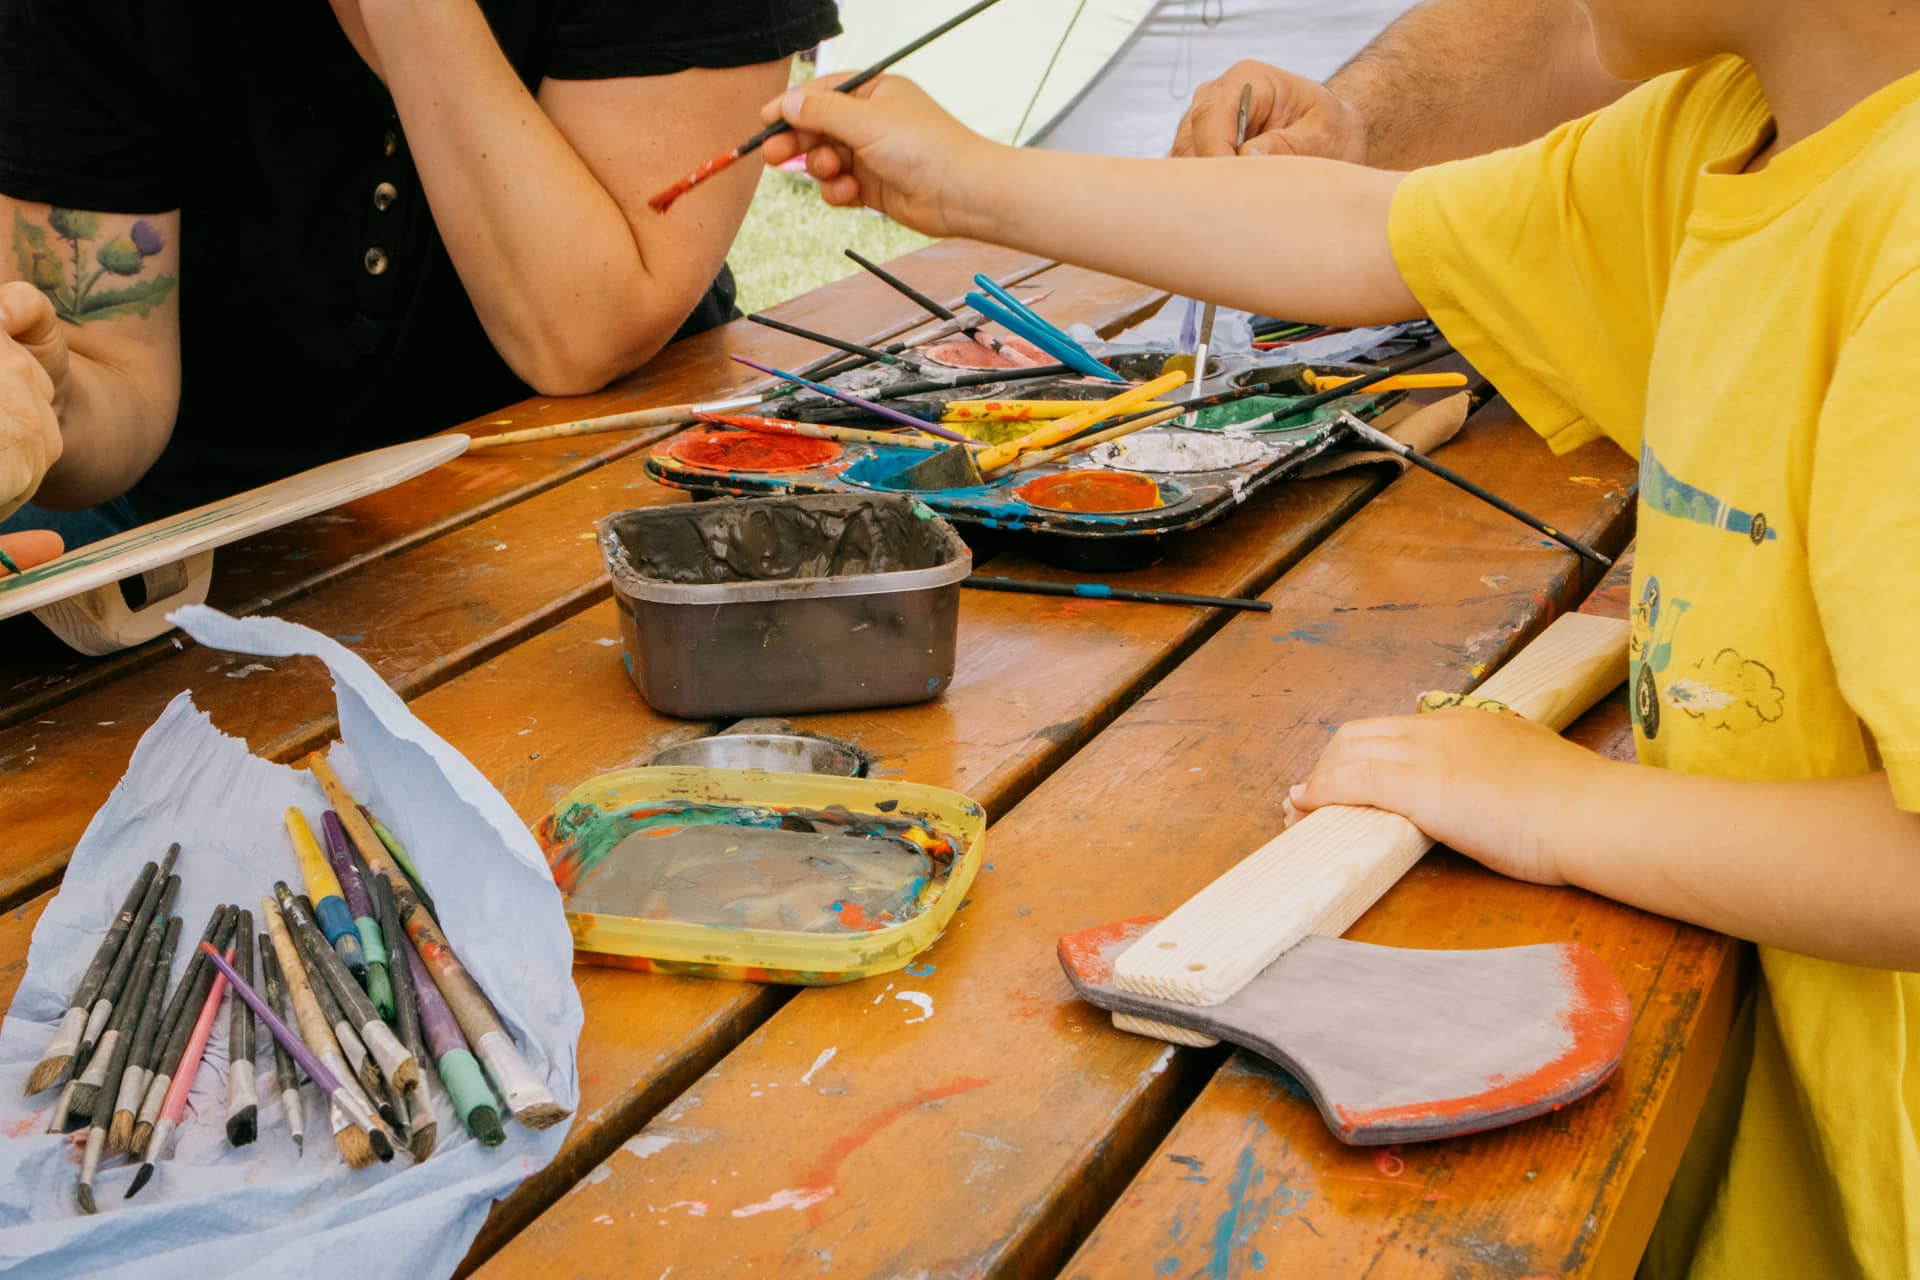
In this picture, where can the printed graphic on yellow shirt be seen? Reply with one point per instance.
(1724, 690)
(1661, 490)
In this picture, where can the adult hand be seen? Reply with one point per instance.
(1289, 115)
(33, 375)
(1491, 785)
(887, 146)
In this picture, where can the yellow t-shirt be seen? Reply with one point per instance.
(1752, 337)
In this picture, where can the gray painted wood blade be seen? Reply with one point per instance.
(1402, 1045)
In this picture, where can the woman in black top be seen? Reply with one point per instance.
(243, 239)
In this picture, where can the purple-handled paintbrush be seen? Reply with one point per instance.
(323, 1079)
(878, 410)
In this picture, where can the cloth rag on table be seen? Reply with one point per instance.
(213, 1210)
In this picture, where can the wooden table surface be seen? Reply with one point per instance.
(1126, 755)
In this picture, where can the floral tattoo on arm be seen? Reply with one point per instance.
(72, 263)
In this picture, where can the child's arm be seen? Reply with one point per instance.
(1289, 236)
(1829, 868)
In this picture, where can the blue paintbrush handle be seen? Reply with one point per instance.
(1000, 294)
(1066, 351)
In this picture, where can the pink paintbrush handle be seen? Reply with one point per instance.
(176, 1100)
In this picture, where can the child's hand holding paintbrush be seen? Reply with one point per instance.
(1189, 226)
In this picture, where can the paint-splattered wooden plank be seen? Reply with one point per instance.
(973, 1081)
(283, 564)
(1034, 680)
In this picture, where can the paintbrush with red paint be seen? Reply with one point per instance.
(720, 163)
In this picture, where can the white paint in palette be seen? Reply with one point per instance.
(920, 1000)
(826, 1056)
(1173, 452)
(792, 1198)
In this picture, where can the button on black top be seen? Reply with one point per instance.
(293, 172)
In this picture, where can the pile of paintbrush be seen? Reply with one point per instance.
(356, 988)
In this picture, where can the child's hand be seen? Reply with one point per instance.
(887, 146)
(1490, 785)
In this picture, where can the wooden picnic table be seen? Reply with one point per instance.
(1126, 755)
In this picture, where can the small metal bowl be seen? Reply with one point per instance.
(773, 752)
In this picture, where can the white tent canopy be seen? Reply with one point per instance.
(1109, 76)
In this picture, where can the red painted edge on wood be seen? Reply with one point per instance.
(1090, 952)
(1596, 1016)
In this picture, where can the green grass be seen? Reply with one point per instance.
(791, 241)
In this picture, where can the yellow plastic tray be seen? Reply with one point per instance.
(598, 811)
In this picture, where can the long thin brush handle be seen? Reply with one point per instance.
(1400, 364)
(176, 1102)
(833, 366)
(243, 1098)
(116, 980)
(984, 378)
(634, 420)
(1381, 440)
(871, 73)
(898, 359)
(286, 1069)
(401, 858)
(845, 435)
(1101, 591)
(1080, 444)
(878, 410)
(925, 303)
(1054, 432)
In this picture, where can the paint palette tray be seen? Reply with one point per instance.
(1079, 513)
(761, 877)
(1112, 508)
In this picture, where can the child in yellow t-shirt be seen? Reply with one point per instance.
(1721, 272)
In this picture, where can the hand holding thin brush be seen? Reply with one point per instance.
(886, 145)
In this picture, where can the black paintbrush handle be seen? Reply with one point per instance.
(1412, 360)
(1101, 591)
(779, 127)
(937, 310)
(986, 377)
(1381, 440)
(828, 340)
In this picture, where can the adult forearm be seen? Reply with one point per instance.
(1294, 236)
(1828, 868)
(551, 263)
(112, 428)
(1454, 78)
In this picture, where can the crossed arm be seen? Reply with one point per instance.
(541, 201)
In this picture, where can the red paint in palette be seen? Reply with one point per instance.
(751, 451)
